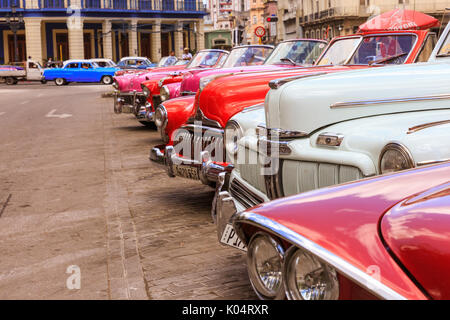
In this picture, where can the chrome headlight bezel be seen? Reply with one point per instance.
(258, 285)
(160, 116)
(232, 146)
(145, 91)
(328, 274)
(402, 152)
(115, 84)
(164, 93)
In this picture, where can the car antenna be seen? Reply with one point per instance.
(442, 21)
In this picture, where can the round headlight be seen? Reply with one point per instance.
(160, 116)
(115, 84)
(204, 82)
(145, 91)
(264, 263)
(308, 278)
(164, 93)
(395, 157)
(233, 133)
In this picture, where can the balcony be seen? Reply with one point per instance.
(144, 5)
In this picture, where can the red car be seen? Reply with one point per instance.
(222, 98)
(379, 238)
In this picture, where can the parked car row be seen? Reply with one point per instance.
(331, 162)
(98, 70)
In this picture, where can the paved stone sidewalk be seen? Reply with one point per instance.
(170, 232)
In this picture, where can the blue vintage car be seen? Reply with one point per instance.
(80, 71)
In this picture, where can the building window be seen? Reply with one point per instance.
(366, 2)
(255, 20)
(404, 2)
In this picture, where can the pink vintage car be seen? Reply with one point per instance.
(128, 89)
(379, 238)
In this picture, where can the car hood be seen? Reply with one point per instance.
(351, 95)
(224, 97)
(191, 81)
(344, 219)
(417, 230)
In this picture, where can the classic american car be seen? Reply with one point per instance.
(222, 98)
(211, 60)
(333, 134)
(287, 54)
(79, 71)
(104, 63)
(380, 238)
(129, 96)
(135, 63)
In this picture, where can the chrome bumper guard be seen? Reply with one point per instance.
(223, 207)
(126, 102)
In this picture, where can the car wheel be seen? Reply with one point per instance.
(107, 80)
(60, 81)
(43, 81)
(10, 81)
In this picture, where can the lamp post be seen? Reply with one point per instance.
(14, 20)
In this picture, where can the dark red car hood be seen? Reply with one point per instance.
(345, 220)
(418, 232)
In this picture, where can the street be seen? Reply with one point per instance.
(78, 192)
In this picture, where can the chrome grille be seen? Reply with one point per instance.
(302, 176)
(246, 197)
(198, 142)
(250, 169)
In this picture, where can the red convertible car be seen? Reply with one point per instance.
(379, 238)
(222, 98)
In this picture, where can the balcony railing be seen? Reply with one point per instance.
(7, 4)
(145, 5)
(53, 4)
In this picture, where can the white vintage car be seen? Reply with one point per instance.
(329, 129)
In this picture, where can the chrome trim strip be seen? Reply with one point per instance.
(363, 279)
(277, 83)
(426, 125)
(428, 162)
(351, 104)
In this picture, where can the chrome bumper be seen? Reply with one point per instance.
(205, 170)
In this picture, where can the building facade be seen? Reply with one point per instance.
(229, 15)
(256, 19)
(325, 19)
(77, 29)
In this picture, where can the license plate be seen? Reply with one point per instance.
(230, 238)
(186, 172)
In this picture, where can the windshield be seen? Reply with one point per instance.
(445, 49)
(389, 49)
(205, 59)
(339, 51)
(247, 56)
(296, 52)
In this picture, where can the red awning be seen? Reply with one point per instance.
(400, 19)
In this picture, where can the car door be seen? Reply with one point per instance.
(88, 73)
(34, 71)
(71, 71)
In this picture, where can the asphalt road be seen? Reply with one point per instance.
(85, 215)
